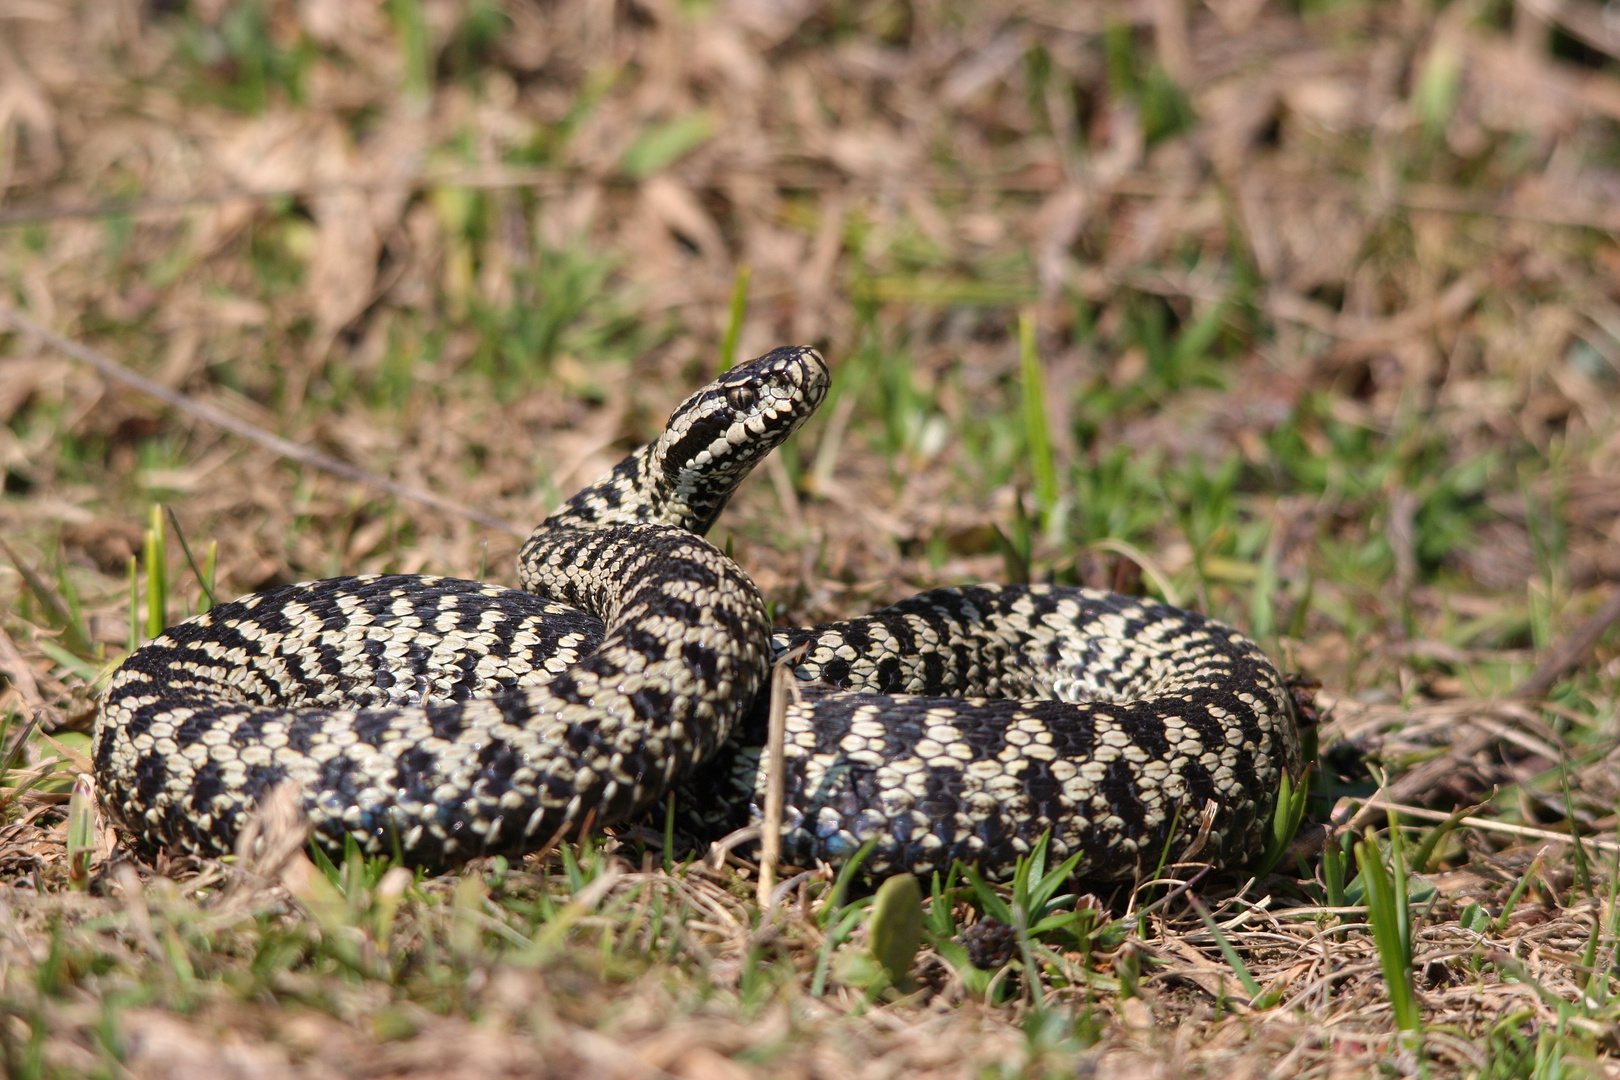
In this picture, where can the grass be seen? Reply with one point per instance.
(1282, 318)
(1384, 892)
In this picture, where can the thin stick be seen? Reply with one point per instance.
(1488, 825)
(1426, 198)
(210, 414)
(770, 838)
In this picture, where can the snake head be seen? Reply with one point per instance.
(717, 436)
(711, 442)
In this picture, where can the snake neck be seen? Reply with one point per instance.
(622, 558)
(640, 491)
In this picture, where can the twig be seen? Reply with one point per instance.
(770, 837)
(721, 849)
(1568, 654)
(1427, 198)
(210, 414)
(1489, 825)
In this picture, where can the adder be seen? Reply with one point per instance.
(444, 719)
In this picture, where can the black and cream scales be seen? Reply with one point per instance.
(448, 719)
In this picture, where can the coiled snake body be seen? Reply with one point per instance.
(447, 719)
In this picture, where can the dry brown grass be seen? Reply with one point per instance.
(1360, 256)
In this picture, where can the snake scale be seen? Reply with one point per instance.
(446, 719)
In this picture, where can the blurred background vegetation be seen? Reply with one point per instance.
(1302, 312)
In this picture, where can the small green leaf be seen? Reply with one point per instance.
(896, 928)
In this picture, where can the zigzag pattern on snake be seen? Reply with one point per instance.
(448, 719)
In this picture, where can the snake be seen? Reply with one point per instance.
(438, 719)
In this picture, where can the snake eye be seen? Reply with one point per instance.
(741, 397)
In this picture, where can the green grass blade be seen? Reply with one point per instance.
(204, 574)
(81, 831)
(664, 144)
(1334, 858)
(1025, 866)
(415, 46)
(134, 604)
(1262, 599)
(1394, 949)
(837, 933)
(1583, 872)
(840, 889)
(1043, 895)
(1164, 857)
(989, 901)
(1517, 894)
(1042, 469)
(323, 862)
(75, 632)
(739, 311)
(1250, 983)
(1402, 894)
(942, 898)
(157, 576)
(669, 833)
(1302, 608)
(1424, 854)
(1286, 815)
